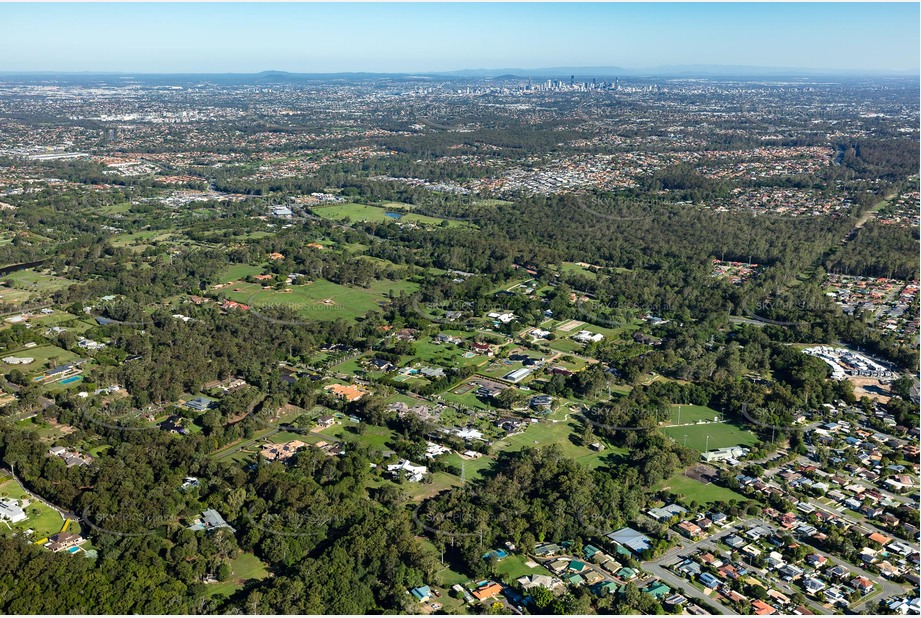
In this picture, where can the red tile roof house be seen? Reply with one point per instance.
(862, 584)
(880, 538)
(816, 560)
(707, 558)
(482, 348)
(487, 591)
(689, 529)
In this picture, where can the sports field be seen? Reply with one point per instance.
(721, 434)
(701, 492)
(685, 414)
(321, 299)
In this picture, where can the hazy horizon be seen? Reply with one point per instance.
(432, 38)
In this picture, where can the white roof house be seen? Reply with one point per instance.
(586, 336)
(413, 472)
(11, 511)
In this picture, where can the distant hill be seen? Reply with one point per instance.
(689, 71)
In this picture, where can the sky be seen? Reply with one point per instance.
(418, 37)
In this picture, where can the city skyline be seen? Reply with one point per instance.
(361, 37)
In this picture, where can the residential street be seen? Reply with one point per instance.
(690, 591)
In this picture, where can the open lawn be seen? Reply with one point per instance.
(512, 567)
(43, 356)
(352, 367)
(243, 568)
(472, 469)
(467, 399)
(112, 209)
(373, 437)
(573, 364)
(440, 481)
(239, 271)
(720, 435)
(58, 318)
(565, 434)
(141, 237)
(33, 281)
(42, 519)
(695, 490)
(45, 431)
(565, 345)
(375, 214)
(321, 299)
(446, 576)
(573, 268)
(444, 354)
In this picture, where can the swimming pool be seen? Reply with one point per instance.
(71, 379)
(73, 550)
